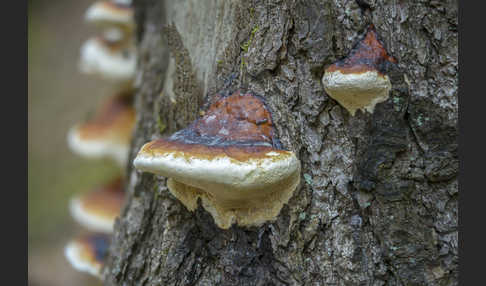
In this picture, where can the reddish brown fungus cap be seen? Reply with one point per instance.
(108, 132)
(359, 81)
(369, 54)
(237, 118)
(111, 13)
(231, 159)
(238, 126)
(98, 209)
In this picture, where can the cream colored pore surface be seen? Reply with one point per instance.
(247, 193)
(253, 211)
(357, 91)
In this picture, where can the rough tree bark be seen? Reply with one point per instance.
(377, 203)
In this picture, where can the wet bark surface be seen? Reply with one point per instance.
(377, 203)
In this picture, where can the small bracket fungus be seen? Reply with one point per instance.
(111, 60)
(110, 13)
(97, 210)
(359, 80)
(230, 159)
(87, 253)
(108, 133)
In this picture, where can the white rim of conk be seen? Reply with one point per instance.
(97, 148)
(254, 173)
(96, 13)
(98, 59)
(73, 251)
(90, 221)
(365, 80)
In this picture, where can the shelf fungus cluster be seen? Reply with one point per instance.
(230, 159)
(359, 81)
(96, 211)
(107, 134)
(112, 54)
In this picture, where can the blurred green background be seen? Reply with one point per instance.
(58, 97)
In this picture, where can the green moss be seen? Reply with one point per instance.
(161, 124)
(243, 63)
(247, 44)
(252, 12)
(219, 64)
(156, 194)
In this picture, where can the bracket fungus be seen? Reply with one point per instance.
(110, 13)
(98, 209)
(112, 60)
(87, 253)
(108, 133)
(359, 81)
(229, 158)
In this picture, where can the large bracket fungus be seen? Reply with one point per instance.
(231, 159)
(359, 81)
(111, 55)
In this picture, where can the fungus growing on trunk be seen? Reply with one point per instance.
(110, 13)
(87, 253)
(359, 80)
(231, 159)
(108, 133)
(98, 209)
(112, 60)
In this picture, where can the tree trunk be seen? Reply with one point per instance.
(377, 203)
